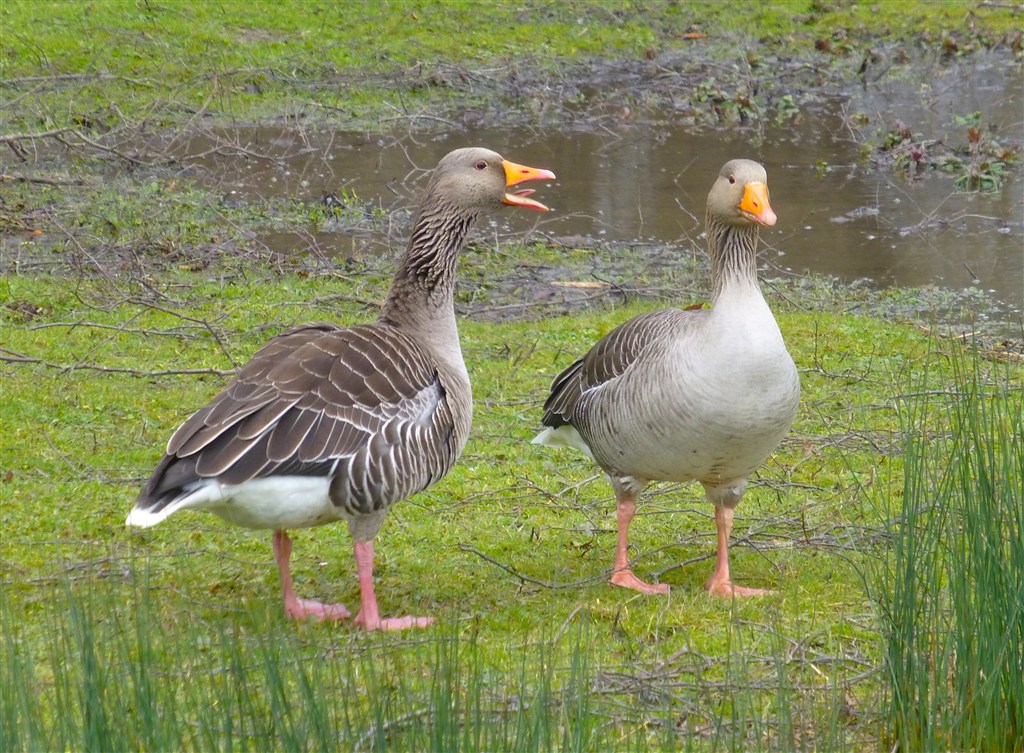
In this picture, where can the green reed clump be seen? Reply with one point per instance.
(119, 673)
(952, 588)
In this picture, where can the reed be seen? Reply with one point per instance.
(115, 675)
(951, 588)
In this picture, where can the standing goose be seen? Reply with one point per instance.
(328, 422)
(676, 395)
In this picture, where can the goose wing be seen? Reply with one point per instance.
(608, 359)
(311, 398)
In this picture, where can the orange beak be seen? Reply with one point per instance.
(755, 205)
(515, 174)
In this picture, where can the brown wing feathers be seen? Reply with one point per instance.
(309, 397)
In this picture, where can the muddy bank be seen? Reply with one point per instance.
(890, 169)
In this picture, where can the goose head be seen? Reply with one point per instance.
(474, 178)
(739, 197)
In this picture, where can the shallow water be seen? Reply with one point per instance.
(838, 215)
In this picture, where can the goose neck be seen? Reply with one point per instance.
(424, 285)
(733, 251)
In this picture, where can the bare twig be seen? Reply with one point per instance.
(10, 356)
(374, 730)
(104, 567)
(44, 181)
(6, 138)
(1015, 7)
(201, 322)
(100, 147)
(528, 579)
(79, 77)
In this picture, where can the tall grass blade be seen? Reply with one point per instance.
(952, 594)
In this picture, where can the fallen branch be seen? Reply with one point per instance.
(100, 147)
(10, 356)
(528, 579)
(79, 77)
(44, 181)
(9, 137)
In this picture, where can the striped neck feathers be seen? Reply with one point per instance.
(426, 276)
(733, 250)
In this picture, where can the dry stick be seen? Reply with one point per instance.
(83, 323)
(44, 181)
(391, 724)
(100, 147)
(199, 113)
(81, 249)
(117, 568)
(542, 304)
(629, 683)
(526, 578)
(421, 116)
(10, 356)
(201, 322)
(80, 77)
(565, 624)
(97, 345)
(5, 138)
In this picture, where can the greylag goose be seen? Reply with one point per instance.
(328, 422)
(676, 395)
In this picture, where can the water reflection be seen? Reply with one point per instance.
(837, 215)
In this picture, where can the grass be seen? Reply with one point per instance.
(92, 67)
(952, 586)
(888, 522)
(174, 638)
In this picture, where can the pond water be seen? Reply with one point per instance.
(647, 181)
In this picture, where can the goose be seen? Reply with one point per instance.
(673, 395)
(330, 423)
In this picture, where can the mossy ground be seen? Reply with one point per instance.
(116, 291)
(513, 547)
(103, 64)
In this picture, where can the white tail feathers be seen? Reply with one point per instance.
(562, 436)
(205, 491)
(142, 518)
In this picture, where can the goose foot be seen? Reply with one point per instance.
(302, 609)
(622, 575)
(626, 579)
(393, 623)
(294, 607)
(369, 616)
(727, 589)
(720, 583)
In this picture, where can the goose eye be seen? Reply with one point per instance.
(481, 165)
(732, 178)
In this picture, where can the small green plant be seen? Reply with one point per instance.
(978, 166)
(986, 160)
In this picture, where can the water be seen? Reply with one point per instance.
(838, 215)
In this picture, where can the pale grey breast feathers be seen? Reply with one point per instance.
(363, 404)
(609, 358)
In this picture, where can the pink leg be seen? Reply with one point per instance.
(622, 575)
(295, 607)
(719, 583)
(369, 616)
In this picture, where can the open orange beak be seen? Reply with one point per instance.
(755, 205)
(515, 174)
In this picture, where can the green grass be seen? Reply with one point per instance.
(93, 66)
(951, 589)
(173, 637)
(885, 521)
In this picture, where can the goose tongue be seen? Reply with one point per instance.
(515, 174)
